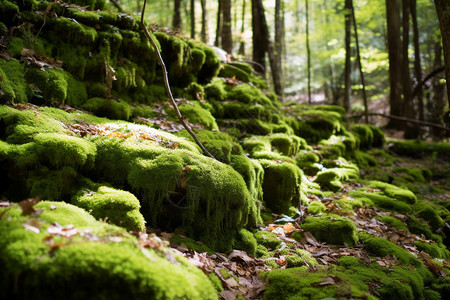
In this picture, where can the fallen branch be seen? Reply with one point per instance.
(431, 74)
(422, 123)
(167, 85)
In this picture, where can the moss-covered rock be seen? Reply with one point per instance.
(332, 229)
(108, 108)
(118, 207)
(13, 85)
(316, 207)
(82, 257)
(268, 239)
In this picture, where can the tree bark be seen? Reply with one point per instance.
(259, 51)
(308, 51)
(219, 24)
(417, 61)
(227, 40)
(411, 132)
(437, 102)
(204, 35)
(348, 54)
(176, 22)
(443, 12)
(192, 15)
(394, 46)
(361, 73)
(241, 42)
(278, 50)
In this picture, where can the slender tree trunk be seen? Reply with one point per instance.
(219, 24)
(227, 40)
(417, 62)
(361, 73)
(437, 102)
(192, 14)
(241, 42)
(308, 51)
(408, 105)
(176, 22)
(443, 12)
(278, 50)
(204, 35)
(348, 54)
(259, 51)
(394, 46)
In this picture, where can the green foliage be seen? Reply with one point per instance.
(331, 179)
(433, 250)
(395, 192)
(190, 243)
(381, 201)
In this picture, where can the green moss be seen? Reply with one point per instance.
(101, 261)
(419, 227)
(433, 249)
(62, 150)
(215, 282)
(8, 11)
(85, 17)
(332, 229)
(382, 247)
(395, 192)
(364, 134)
(281, 185)
(116, 206)
(381, 201)
(57, 86)
(196, 114)
(261, 251)
(13, 87)
(316, 207)
(190, 244)
(349, 261)
(215, 90)
(364, 160)
(419, 149)
(331, 179)
(144, 111)
(75, 32)
(108, 108)
(245, 241)
(267, 239)
(392, 221)
(429, 213)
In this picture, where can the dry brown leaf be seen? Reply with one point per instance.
(27, 205)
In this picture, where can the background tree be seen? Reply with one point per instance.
(192, 15)
(203, 34)
(443, 12)
(308, 51)
(348, 54)
(176, 21)
(227, 40)
(395, 59)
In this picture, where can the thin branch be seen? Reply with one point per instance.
(167, 85)
(431, 74)
(422, 123)
(117, 5)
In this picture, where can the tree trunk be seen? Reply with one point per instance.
(278, 50)
(417, 62)
(411, 131)
(348, 54)
(176, 22)
(361, 73)
(443, 12)
(219, 24)
(227, 40)
(204, 35)
(241, 42)
(394, 46)
(437, 103)
(308, 51)
(192, 14)
(259, 52)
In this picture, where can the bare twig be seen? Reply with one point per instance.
(167, 85)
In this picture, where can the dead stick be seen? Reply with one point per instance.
(167, 85)
(423, 123)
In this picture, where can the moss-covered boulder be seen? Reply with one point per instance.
(79, 257)
(332, 229)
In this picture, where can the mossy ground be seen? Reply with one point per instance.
(335, 184)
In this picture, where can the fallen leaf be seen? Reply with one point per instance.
(27, 206)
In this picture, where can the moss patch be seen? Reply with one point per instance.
(332, 229)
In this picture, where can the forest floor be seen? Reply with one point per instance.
(242, 275)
